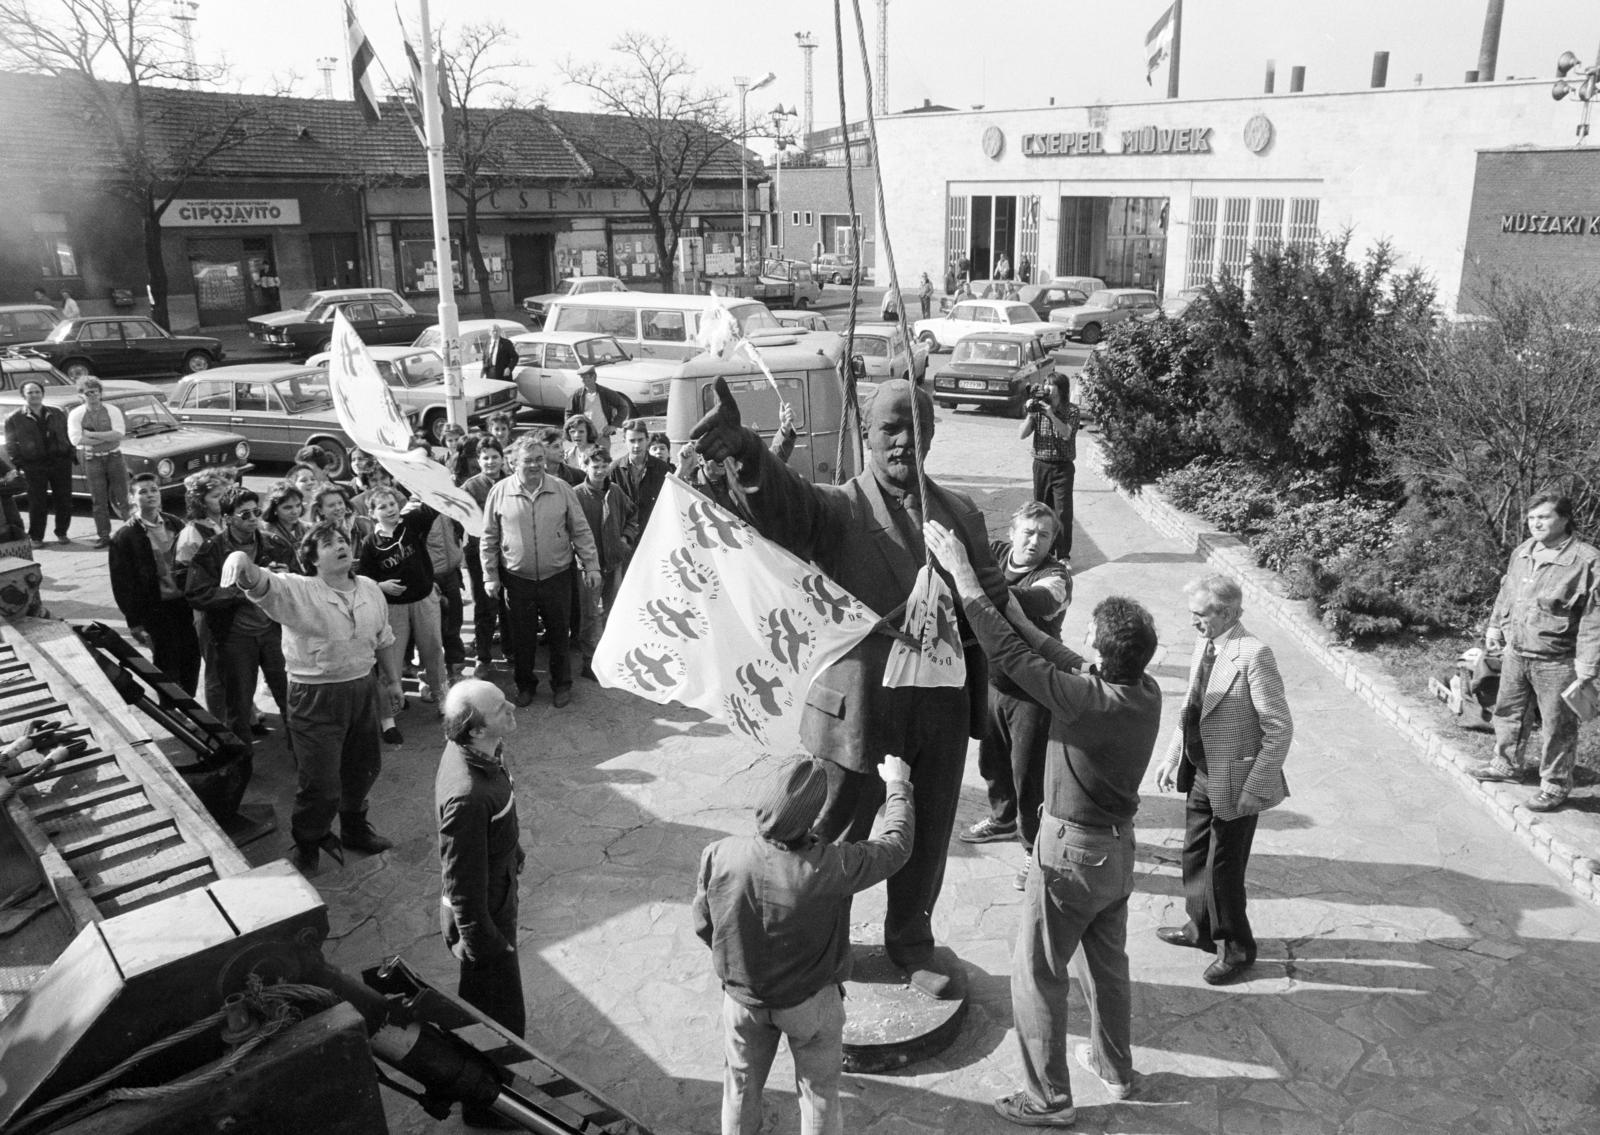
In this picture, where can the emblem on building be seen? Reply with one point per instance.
(994, 142)
(1258, 134)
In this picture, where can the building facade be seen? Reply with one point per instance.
(1169, 194)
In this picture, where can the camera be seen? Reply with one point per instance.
(1038, 401)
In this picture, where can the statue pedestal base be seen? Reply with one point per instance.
(890, 1024)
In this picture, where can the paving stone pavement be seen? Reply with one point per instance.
(1420, 971)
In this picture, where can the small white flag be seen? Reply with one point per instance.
(714, 616)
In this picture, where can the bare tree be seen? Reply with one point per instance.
(477, 70)
(663, 137)
(116, 55)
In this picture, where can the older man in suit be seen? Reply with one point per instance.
(867, 534)
(1228, 756)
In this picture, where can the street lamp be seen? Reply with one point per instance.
(745, 87)
(1584, 83)
(783, 142)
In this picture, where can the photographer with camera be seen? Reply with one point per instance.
(1052, 421)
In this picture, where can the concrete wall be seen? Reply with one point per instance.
(823, 190)
(1535, 215)
(1394, 164)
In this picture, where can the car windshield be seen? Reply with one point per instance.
(754, 317)
(597, 352)
(146, 414)
(1020, 313)
(872, 346)
(985, 351)
(61, 332)
(305, 392)
(17, 369)
(1103, 299)
(420, 369)
(567, 287)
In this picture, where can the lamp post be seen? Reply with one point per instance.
(783, 142)
(745, 87)
(1584, 83)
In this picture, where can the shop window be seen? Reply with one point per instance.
(582, 252)
(1202, 241)
(633, 252)
(1303, 230)
(418, 273)
(1235, 237)
(1269, 223)
(56, 254)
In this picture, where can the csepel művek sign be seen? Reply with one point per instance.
(231, 212)
(1551, 224)
(1140, 140)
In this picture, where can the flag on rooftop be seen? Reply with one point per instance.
(1158, 44)
(361, 58)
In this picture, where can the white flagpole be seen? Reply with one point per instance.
(449, 324)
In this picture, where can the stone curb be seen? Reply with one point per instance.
(1264, 591)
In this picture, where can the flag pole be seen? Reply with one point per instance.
(449, 324)
(1173, 54)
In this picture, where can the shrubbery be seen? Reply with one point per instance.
(1379, 464)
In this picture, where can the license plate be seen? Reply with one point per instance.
(972, 384)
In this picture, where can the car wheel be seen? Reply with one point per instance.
(801, 303)
(932, 342)
(1090, 335)
(76, 369)
(325, 345)
(338, 458)
(196, 361)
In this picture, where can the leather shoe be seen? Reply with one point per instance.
(523, 697)
(563, 697)
(1229, 966)
(1180, 936)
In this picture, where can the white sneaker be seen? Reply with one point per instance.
(1083, 1052)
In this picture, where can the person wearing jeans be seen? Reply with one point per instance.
(1546, 621)
(775, 910)
(534, 531)
(489, 616)
(1103, 729)
(38, 445)
(97, 430)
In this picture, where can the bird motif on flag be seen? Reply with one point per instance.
(672, 621)
(762, 687)
(650, 673)
(789, 638)
(829, 601)
(713, 528)
(695, 578)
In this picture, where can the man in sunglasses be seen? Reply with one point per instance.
(247, 641)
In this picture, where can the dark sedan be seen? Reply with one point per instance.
(26, 322)
(155, 442)
(1045, 298)
(279, 408)
(993, 370)
(377, 314)
(117, 346)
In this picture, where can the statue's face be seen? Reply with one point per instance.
(890, 438)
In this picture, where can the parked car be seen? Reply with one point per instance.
(547, 373)
(1105, 308)
(985, 290)
(786, 283)
(884, 355)
(803, 320)
(155, 442)
(993, 370)
(112, 346)
(1045, 298)
(1175, 307)
(26, 322)
(834, 268)
(1088, 285)
(538, 306)
(278, 407)
(474, 337)
(942, 332)
(377, 314)
(416, 379)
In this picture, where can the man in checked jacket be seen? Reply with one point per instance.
(1228, 756)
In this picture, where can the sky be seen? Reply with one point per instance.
(1075, 53)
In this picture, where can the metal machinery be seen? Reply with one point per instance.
(152, 981)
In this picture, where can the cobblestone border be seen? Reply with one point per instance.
(1263, 591)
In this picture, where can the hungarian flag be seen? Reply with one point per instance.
(1158, 44)
(714, 616)
(361, 60)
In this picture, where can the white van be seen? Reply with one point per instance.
(652, 326)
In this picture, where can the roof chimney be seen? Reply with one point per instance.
(1297, 80)
(1380, 69)
(1489, 49)
(1272, 75)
